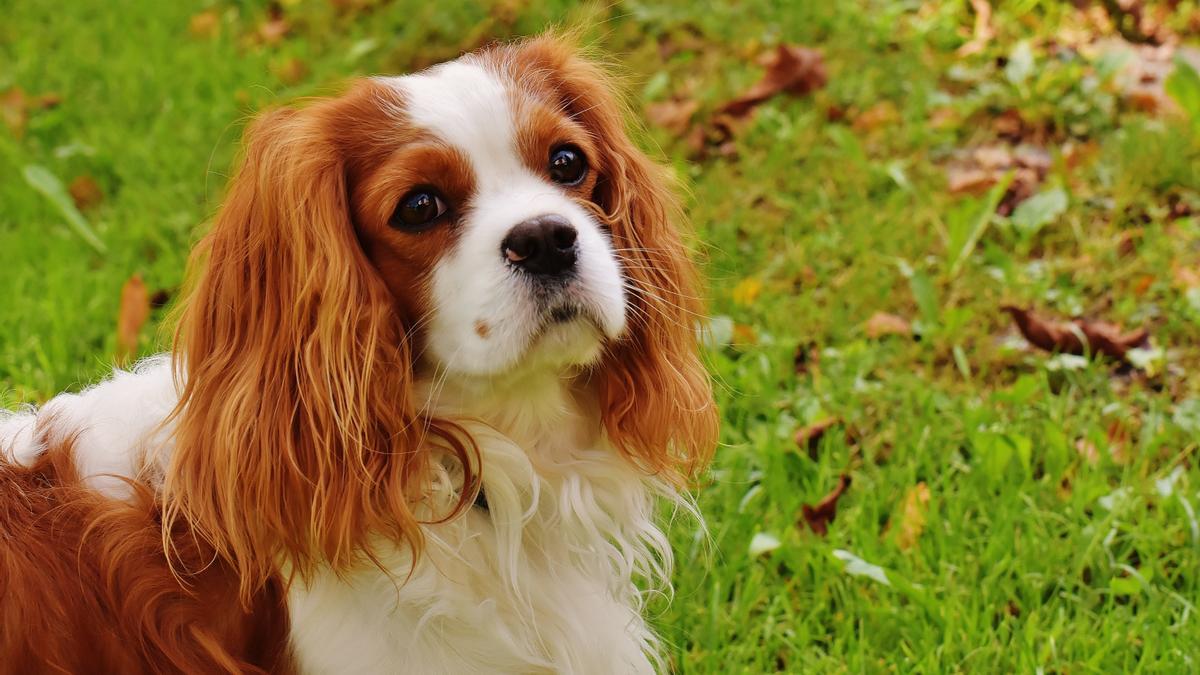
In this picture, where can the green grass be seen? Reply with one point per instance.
(1020, 566)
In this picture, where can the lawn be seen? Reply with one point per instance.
(1025, 511)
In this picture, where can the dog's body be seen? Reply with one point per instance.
(384, 447)
(537, 579)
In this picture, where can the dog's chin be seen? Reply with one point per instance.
(569, 338)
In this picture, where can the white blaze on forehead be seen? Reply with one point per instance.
(467, 106)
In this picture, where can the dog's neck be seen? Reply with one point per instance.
(534, 409)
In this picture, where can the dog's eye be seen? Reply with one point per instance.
(418, 209)
(568, 166)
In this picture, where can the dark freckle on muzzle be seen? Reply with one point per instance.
(482, 329)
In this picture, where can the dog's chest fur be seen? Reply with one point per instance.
(542, 579)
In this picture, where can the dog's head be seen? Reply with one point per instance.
(486, 218)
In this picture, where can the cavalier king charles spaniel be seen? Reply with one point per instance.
(435, 375)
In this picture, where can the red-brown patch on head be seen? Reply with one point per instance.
(656, 398)
(387, 160)
(297, 342)
(543, 125)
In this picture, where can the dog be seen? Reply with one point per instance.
(434, 375)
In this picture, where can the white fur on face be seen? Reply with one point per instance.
(487, 317)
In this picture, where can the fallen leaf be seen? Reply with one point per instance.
(1009, 125)
(85, 192)
(206, 24)
(132, 315)
(983, 31)
(272, 31)
(1118, 435)
(882, 323)
(790, 68)
(673, 115)
(14, 110)
(1128, 243)
(1134, 24)
(1087, 450)
(820, 516)
(1080, 337)
(882, 114)
(290, 70)
(912, 516)
(744, 335)
(806, 359)
(976, 170)
(1185, 276)
(809, 437)
(747, 291)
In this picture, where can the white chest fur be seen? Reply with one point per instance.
(542, 580)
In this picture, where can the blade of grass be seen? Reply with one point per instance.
(50, 187)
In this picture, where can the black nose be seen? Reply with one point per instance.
(543, 245)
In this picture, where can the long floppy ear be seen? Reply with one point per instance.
(296, 436)
(656, 396)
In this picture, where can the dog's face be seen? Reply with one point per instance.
(483, 218)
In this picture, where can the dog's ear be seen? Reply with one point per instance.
(297, 437)
(656, 396)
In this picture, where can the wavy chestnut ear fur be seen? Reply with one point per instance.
(297, 437)
(656, 396)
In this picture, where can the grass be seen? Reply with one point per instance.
(1048, 541)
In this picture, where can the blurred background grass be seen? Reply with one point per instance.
(1027, 512)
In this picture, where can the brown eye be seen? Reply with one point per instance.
(418, 209)
(568, 166)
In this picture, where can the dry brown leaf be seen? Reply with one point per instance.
(882, 114)
(1087, 450)
(1079, 337)
(809, 437)
(1185, 276)
(206, 24)
(674, 115)
(913, 511)
(943, 117)
(882, 323)
(290, 71)
(790, 68)
(132, 315)
(1128, 243)
(1119, 435)
(807, 359)
(273, 31)
(744, 335)
(969, 180)
(820, 516)
(85, 192)
(15, 106)
(1009, 125)
(983, 31)
(976, 170)
(15, 110)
